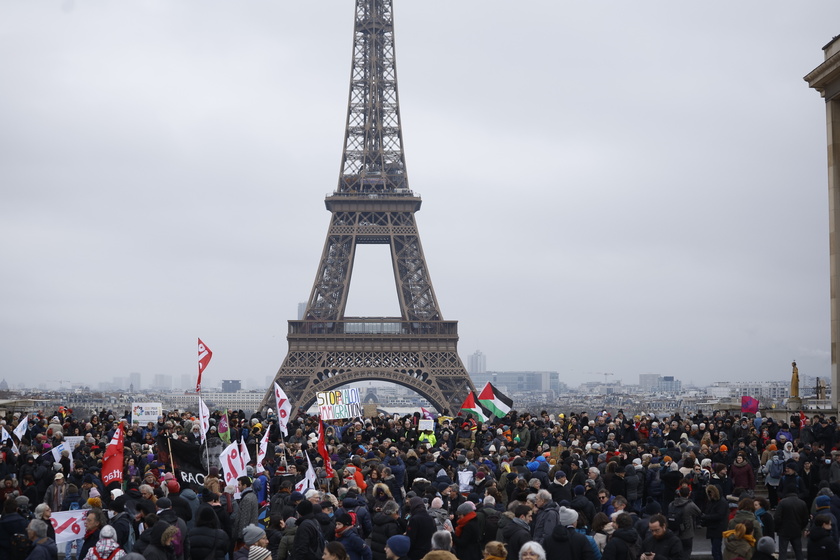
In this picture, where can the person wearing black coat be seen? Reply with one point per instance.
(420, 529)
(207, 540)
(821, 544)
(715, 519)
(517, 531)
(565, 542)
(386, 524)
(308, 538)
(623, 539)
(467, 538)
(662, 542)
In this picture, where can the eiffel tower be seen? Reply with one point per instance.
(373, 204)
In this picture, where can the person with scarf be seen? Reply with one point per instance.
(517, 531)
(739, 542)
(467, 533)
(346, 534)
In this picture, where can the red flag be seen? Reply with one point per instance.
(204, 355)
(113, 463)
(749, 405)
(322, 449)
(802, 418)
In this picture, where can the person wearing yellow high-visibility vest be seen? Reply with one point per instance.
(428, 437)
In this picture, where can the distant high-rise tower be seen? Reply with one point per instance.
(477, 363)
(134, 381)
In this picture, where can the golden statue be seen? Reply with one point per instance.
(794, 381)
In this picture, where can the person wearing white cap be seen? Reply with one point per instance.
(54, 495)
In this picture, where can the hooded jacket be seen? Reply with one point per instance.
(619, 544)
(421, 527)
(566, 543)
(515, 533)
(545, 521)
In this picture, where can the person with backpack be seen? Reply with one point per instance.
(624, 542)
(346, 534)
(773, 470)
(309, 542)
(564, 542)
(107, 547)
(683, 515)
(122, 524)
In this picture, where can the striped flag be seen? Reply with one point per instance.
(471, 407)
(495, 401)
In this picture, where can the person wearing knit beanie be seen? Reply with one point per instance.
(253, 534)
(397, 547)
(766, 545)
(567, 517)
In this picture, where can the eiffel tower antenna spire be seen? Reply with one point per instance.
(373, 160)
(373, 204)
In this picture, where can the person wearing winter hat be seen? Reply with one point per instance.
(253, 536)
(564, 541)
(467, 533)
(107, 545)
(308, 536)
(765, 549)
(346, 534)
(397, 547)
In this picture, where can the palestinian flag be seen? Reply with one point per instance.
(471, 407)
(495, 401)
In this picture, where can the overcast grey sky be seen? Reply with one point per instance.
(627, 187)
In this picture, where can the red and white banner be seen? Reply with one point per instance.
(244, 453)
(322, 449)
(284, 408)
(203, 419)
(309, 480)
(232, 463)
(261, 451)
(204, 355)
(68, 525)
(112, 462)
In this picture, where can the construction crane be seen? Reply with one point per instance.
(604, 374)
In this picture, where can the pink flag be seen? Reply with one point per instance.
(204, 355)
(749, 405)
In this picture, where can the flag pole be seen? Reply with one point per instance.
(203, 433)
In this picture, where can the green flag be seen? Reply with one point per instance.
(224, 428)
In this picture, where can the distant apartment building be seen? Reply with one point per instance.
(248, 401)
(162, 383)
(655, 383)
(231, 385)
(519, 381)
(134, 381)
(761, 390)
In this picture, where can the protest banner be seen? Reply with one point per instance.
(341, 403)
(68, 525)
(145, 412)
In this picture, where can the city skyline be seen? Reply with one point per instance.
(604, 190)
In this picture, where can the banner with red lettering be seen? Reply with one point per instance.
(322, 449)
(68, 525)
(309, 480)
(112, 462)
(204, 355)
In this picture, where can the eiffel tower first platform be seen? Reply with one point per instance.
(373, 204)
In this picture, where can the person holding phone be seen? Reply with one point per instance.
(662, 543)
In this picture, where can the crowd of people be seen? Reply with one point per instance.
(573, 486)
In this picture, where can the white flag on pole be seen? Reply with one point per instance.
(4, 435)
(284, 408)
(203, 418)
(244, 453)
(22, 427)
(309, 480)
(263, 449)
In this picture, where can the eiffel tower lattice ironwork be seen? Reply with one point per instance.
(373, 205)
